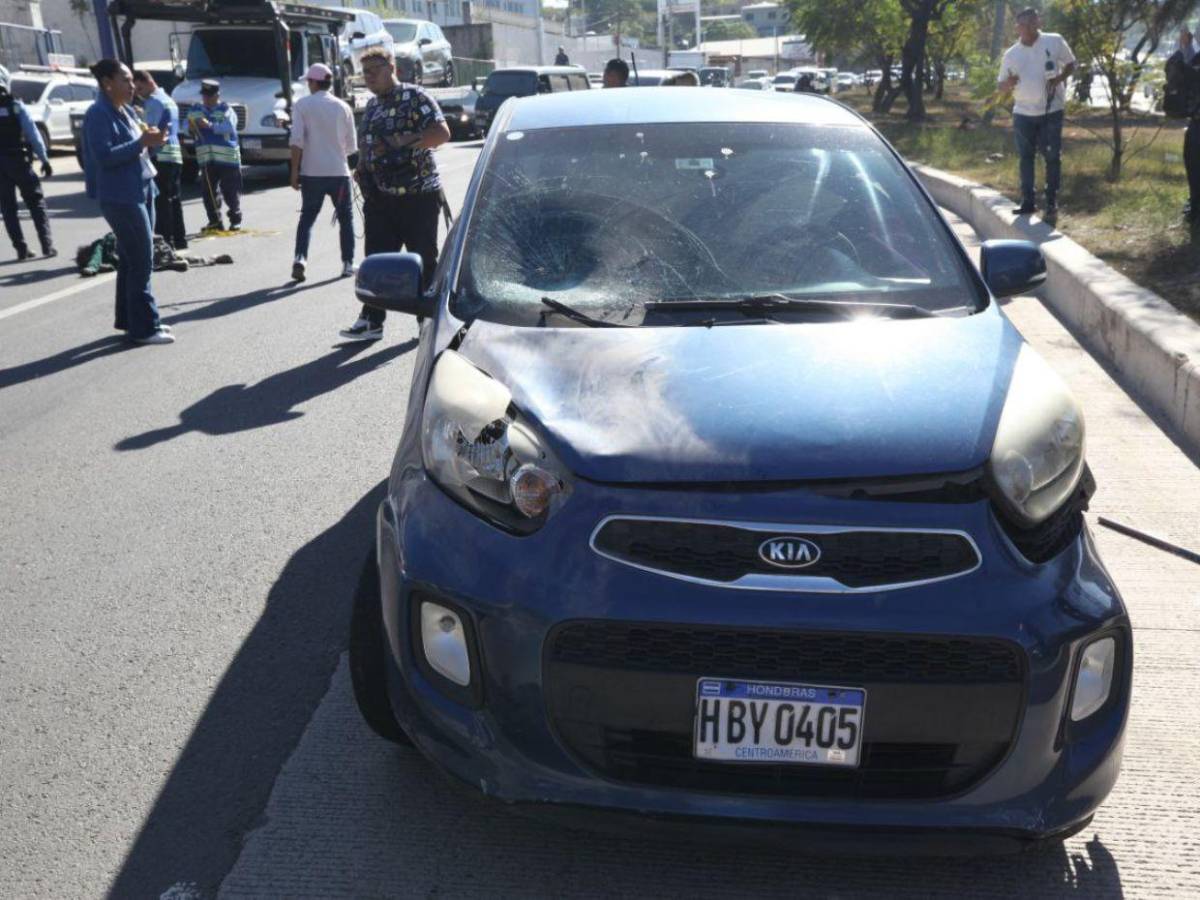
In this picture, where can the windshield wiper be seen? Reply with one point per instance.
(757, 304)
(576, 316)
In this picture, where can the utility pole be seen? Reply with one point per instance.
(104, 26)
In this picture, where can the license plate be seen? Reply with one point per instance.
(775, 722)
(252, 143)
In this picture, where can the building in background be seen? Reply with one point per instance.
(768, 19)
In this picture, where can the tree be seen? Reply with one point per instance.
(729, 31)
(870, 28)
(920, 14)
(951, 38)
(1118, 40)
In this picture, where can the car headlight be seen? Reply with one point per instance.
(1037, 456)
(479, 449)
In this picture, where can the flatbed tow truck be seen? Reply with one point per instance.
(258, 49)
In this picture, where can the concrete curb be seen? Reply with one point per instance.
(1154, 347)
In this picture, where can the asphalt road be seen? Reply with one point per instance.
(184, 528)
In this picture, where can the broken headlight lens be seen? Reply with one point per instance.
(1037, 456)
(477, 446)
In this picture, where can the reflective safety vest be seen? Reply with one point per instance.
(216, 145)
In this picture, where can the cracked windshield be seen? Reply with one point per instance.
(618, 222)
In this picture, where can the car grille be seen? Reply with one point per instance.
(239, 110)
(941, 712)
(724, 553)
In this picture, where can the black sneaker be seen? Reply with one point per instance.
(1027, 208)
(49, 251)
(235, 226)
(1050, 216)
(213, 226)
(24, 253)
(362, 330)
(298, 270)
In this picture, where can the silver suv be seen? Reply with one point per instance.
(423, 43)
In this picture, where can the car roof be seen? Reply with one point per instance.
(650, 105)
(407, 21)
(542, 70)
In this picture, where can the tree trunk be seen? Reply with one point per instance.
(884, 87)
(1118, 142)
(939, 73)
(914, 59)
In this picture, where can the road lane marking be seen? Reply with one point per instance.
(58, 295)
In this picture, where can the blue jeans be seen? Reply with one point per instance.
(313, 191)
(133, 226)
(1039, 134)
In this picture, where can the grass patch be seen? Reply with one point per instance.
(1134, 225)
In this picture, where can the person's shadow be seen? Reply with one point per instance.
(241, 407)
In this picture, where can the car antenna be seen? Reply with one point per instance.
(633, 59)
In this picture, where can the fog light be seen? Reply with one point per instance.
(1094, 681)
(445, 643)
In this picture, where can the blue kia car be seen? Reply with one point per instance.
(729, 497)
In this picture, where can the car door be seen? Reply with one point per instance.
(58, 112)
(430, 58)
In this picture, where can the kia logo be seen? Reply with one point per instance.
(789, 552)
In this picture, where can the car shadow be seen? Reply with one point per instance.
(222, 777)
(241, 407)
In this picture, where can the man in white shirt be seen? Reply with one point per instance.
(1034, 70)
(322, 137)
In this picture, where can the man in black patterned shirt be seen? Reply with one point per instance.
(397, 174)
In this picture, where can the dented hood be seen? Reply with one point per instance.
(758, 402)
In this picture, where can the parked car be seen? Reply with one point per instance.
(714, 76)
(359, 35)
(872, 76)
(785, 81)
(847, 81)
(758, 73)
(524, 81)
(688, 540)
(458, 106)
(663, 78)
(51, 96)
(757, 84)
(424, 43)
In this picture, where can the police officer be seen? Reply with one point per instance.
(162, 113)
(19, 143)
(219, 156)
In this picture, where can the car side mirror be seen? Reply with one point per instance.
(392, 281)
(423, 41)
(1010, 268)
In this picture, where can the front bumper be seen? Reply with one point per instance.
(515, 591)
(255, 149)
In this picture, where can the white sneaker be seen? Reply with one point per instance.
(362, 330)
(348, 269)
(159, 337)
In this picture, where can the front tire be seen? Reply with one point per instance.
(367, 662)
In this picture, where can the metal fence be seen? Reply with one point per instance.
(23, 45)
(467, 70)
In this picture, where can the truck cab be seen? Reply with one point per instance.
(258, 51)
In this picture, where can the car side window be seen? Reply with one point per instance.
(560, 83)
(81, 93)
(437, 33)
(61, 92)
(578, 82)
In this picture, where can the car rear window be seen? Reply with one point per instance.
(607, 218)
(511, 84)
(26, 90)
